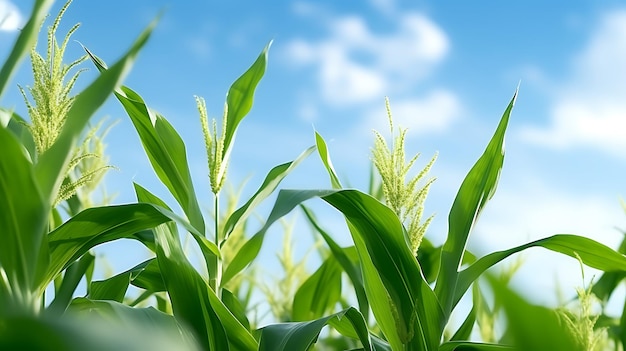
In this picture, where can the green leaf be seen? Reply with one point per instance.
(73, 274)
(136, 329)
(23, 220)
(325, 157)
(591, 252)
(50, 169)
(209, 250)
(194, 301)
(241, 96)
(378, 236)
(25, 41)
(147, 275)
(113, 288)
(608, 282)
(16, 124)
(301, 335)
(286, 201)
(533, 327)
(234, 306)
(145, 328)
(472, 346)
(166, 151)
(319, 293)
(477, 188)
(348, 264)
(98, 225)
(271, 182)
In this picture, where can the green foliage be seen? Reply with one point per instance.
(410, 293)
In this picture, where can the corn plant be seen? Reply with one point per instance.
(405, 287)
(410, 314)
(37, 249)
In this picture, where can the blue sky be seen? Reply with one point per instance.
(449, 69)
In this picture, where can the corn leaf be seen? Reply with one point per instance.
(241, 96)
(325, 157)
(231, 301)
(195, 302)
(591, 252)
(98, 225)
(16, 124)
(473, 346)
(477, 188)
(147, 275)
(73, 274)
(349, 265)
(533, 327)
(286, 201)
(23, 218)
(25, 41)
(164, 147)
(605, 286)
(166, 152)
(301, 335)
(209, 250)
(113, 289)
(378, 236)
(146, 323)
(319, 293)
(269, 185)
(132, 329)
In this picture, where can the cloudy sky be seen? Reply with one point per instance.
(449, 70)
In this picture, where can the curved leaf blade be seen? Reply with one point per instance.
(241, 96)
(319, 293)
(269, 185)
(25, 41)
(591, 252)
(477, 188)
(23, 221)
(300, 336)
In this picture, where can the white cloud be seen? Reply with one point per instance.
(432, 113)
(590, 108)
(10, 17)
(355, 64)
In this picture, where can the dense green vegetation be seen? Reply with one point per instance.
(402, 289)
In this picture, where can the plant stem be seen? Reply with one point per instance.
(218, 265)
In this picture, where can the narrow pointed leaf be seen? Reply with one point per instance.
(73, 274)
(23, 218)
(325, 157)
(300, 336)
(163, 146)
(318, 294)
(25, 41)
(378, 234)
(241, 96)
(350, 266)
(591, 252)
(98, 225)
(271, 182)
(195, 302)
(286, 201)
(113, 289)
(477, 188)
